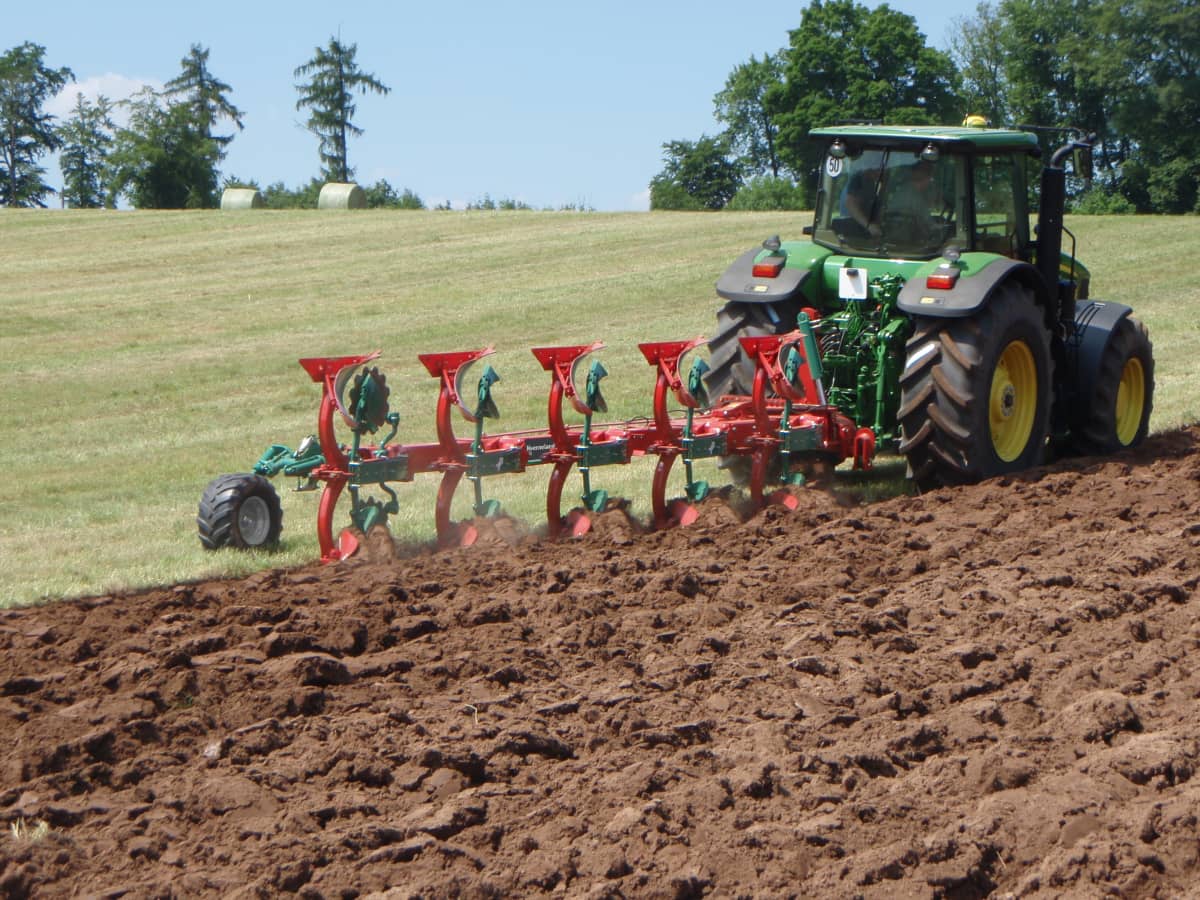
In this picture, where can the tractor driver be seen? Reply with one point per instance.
(913, 193)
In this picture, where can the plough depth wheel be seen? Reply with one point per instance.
(239, 511)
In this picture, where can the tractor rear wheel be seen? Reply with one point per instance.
(975, 393)
(732, 372)
(1114, 413)
(239, 511)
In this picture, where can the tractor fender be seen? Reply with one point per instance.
(739, 284)
(971, 292)
(1095, 322)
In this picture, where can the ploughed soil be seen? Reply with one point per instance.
(986, 691)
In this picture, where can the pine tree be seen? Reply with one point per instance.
(333, 79)
(206, 94)
(86, 140)
(26, 131)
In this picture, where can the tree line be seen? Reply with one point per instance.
(169, 153)
(1127, 71)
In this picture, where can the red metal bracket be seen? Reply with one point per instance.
(322, 368)
(769, 353)
(450, 368)
(561, 363)
(335, 472)
(666, 356)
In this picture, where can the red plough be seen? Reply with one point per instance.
(784, 423)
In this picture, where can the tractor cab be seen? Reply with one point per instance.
(911, 192)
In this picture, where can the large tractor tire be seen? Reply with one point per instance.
(1113, 413)
(976, 392)
(239, 511)
(731, 371)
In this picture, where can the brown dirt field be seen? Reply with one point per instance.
(986, 691)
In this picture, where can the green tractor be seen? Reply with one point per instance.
(967, 343)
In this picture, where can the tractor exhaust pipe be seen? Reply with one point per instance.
(1050, 222)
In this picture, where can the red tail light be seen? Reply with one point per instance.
(769, 267)
(943, 278)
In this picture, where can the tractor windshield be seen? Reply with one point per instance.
(894, 202)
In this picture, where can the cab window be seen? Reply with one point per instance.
(998, 182)
(889, 201)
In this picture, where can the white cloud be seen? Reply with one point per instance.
(113, 86)
(640, 202)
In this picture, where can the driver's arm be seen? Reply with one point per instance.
(860, 197)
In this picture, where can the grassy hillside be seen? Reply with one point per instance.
(141, 354)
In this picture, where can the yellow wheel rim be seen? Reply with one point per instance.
(1131, 401)
(1012, 405)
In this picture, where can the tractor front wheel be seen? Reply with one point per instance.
(976, 392)
(1114, 413)
(239, 511)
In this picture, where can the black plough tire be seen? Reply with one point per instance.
(1115, 414)
(731, 372)
(957, 401)
(239, 511)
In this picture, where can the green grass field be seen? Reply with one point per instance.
(143, 353)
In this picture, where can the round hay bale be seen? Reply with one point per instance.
(242, 198)
(336, 195)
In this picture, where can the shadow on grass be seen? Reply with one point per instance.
(888, 478)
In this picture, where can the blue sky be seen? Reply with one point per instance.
(548, 103)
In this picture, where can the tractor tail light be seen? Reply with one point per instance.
(943, 278)
(769, 267)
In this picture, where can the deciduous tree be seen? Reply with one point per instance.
(381, 195)
(333, 79)
(849, 62)
(280, 196)
(1045, 43)
(1150, 65)
(748, 118)
(697, 175)
(978, 50)
(766, 192)
(1127, 71)
(163, 159)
